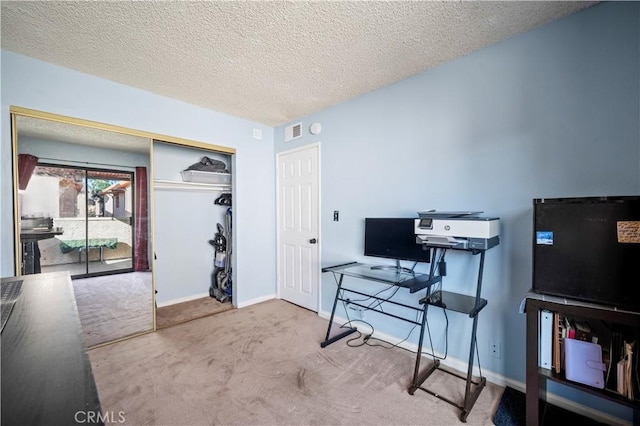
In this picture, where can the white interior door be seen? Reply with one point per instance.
(298, 245)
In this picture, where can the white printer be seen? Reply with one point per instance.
(465, 230)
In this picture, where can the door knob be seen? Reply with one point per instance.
(312, 241)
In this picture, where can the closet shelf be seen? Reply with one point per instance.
(190, 186)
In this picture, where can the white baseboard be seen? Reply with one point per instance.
(257, 300)
(199, 296)
(492, 377)
(182, 299)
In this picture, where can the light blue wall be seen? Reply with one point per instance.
(550, 113)
(30, 83)
(72, 154)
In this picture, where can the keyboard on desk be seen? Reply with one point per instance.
(10, 292)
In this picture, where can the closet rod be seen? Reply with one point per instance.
(87, 163)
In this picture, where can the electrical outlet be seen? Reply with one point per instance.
(359, 313)
(494, 349)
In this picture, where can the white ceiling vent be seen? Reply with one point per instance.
(292, 132)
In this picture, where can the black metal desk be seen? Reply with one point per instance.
(413, 282)
(470, 305)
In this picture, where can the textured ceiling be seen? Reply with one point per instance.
(267, 61)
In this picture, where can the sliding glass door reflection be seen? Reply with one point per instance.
(90, 212)
(109, 221)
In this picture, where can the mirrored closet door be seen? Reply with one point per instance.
(83, 206)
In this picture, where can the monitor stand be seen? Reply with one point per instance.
(396, 268)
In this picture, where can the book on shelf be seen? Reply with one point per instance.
(557, 342)
(628, 371)
(551, 345)
(580, 330)
(571, 330)
(615, 355)
(621, 386)
(583, 331)
(545, 342)
(584, 363)
(623, 375)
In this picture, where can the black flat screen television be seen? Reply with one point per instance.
(588, 249)
(393, 238)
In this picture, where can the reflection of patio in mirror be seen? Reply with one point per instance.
(92, 213)
(109, 251)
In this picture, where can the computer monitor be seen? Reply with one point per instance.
(393, 238)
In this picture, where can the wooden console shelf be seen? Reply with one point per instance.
(537, 377)
(46, 372)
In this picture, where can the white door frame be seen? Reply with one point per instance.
(279, 213)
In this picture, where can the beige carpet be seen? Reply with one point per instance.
(186, 311)
(263, 365)
(114, 306)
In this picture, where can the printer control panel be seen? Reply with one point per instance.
(425, 223)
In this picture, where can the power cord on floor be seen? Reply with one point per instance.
(368, 338)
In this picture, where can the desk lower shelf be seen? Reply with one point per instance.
(455, 302)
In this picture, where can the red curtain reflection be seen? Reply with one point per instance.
(141, 252)
(26, 165)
